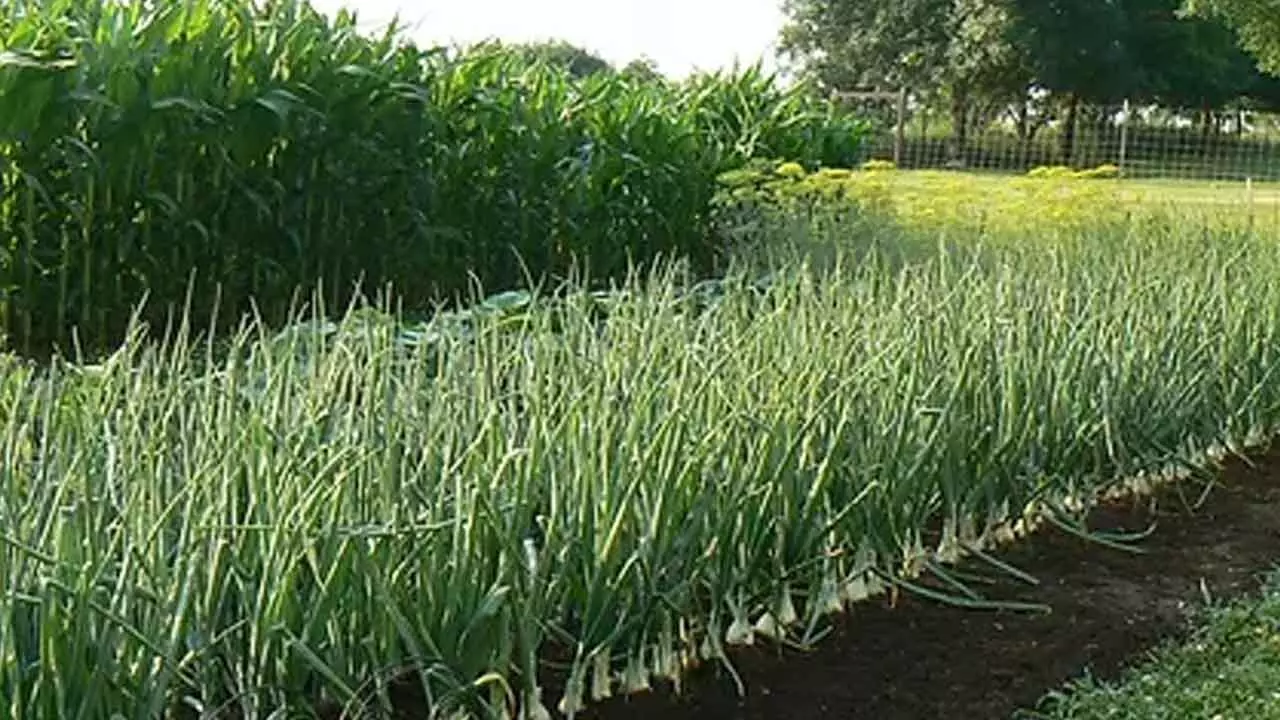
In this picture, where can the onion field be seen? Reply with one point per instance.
(624, 483)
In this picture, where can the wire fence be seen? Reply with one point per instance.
(1237, 144)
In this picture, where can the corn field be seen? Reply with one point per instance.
(210, 155)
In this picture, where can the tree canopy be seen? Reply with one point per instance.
(1257, 23)
(578, 61)
(1095, 50)
(917, 43)
(643, 69)
(1044, 60)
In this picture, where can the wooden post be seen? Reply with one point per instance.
(900, 134)
(1124, 136)
(900, 126)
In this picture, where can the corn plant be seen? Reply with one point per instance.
(208, 152)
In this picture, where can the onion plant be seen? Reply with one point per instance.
(625, 485)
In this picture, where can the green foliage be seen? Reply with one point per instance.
(215, 151)
(1098, 50)
(961, 46)
(577, 61)
(643, 70)
(1256, 21)
(1078, 46)
(1103, 51)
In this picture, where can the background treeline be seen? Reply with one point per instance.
(1041, 67)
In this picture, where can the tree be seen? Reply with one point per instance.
(1194, 62)
(980, 61)
(983, 57)
(1104, 51)
(642, 69)
(1189, 62)
(1257, 22)
(1077, 47)
(846, 44)
(578, 62)
(958, 49)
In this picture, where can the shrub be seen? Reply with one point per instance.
(879, 165)
(1054, 171)
(1102, 172)
(790, 170)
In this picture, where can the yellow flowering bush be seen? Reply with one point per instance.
(879, 165)
(792, 170)
(1106, 171)
(1102, 172)
(1051, 171)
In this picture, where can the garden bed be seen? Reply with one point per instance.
(924, 659)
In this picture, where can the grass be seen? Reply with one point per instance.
(1262, 197)
(1001, 190)
(1229, 669)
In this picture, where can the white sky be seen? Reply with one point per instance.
(680, 35)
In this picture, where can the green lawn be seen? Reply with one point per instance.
(1203, 192)
(1013, 206)
(1229, 669)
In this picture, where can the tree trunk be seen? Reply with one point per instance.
(1067, 150)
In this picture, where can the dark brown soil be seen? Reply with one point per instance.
(923, 659)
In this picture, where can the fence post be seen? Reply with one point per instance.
(899, 137)
(900, 132)
(1124, 136)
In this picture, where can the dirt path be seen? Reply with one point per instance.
(927, 660)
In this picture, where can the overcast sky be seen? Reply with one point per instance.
(680, 35)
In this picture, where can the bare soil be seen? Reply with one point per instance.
(924, 659)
